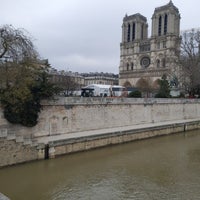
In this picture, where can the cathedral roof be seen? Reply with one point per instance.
(135, 16)
(170, 5)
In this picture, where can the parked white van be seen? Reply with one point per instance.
(102, 90)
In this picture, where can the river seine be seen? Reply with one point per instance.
(154, 169)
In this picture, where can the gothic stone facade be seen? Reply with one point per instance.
(149, 58)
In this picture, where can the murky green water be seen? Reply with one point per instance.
(155, 169)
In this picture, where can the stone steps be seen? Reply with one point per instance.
(11, 135)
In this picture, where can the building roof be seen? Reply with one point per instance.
(135, 16)
(170, 5)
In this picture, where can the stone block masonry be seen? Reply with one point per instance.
(71, 116)
(76, 124)
(95, 139)
(12, 152)
(3, 197)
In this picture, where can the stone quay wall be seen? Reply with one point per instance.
(72, 115)
(62, 147)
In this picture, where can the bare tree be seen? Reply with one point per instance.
(127, 84)
(23, 77)
(145, 85)
(190, 61)
(66, 83)
(15, 45)
(69, 85)
(17, 56)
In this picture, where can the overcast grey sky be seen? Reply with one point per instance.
(84, 35)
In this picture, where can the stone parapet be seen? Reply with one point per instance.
(59, 101)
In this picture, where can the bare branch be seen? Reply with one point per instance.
(15, 44)
(190, 59)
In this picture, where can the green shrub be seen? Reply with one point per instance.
(164, 90)
(22, 104)
(135, 94)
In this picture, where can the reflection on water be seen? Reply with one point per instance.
(159, 168)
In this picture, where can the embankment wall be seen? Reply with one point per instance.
(62, 147)
(72, 115)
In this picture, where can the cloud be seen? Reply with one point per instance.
(81, 63)
(84, 35)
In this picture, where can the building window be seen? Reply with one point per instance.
(158, 45)
(129, 32)
(133, 33)
(145, 47)
(164, 44)
(158, 63)
(142, 31)
(132, 66)
(127, 67)
(145, 62)
(159, 26)
(163, 62)
(165, 24)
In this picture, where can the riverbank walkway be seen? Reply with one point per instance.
(102, 132)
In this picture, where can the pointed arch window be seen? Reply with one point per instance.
(165, 24)
(133, 33)
(129, 32)
(132, 66)
(158, 63)
(159, 26)
(142, 31)
(127, 66)
(163, 62)
(164, 44)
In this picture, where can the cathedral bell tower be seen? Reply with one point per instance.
(166, 21)
(165, 37)
(134, 30)
(148, 59)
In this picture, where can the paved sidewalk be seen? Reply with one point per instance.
(75, 135)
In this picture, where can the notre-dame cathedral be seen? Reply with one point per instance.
(144, 58)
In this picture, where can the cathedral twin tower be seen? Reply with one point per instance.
(148, 59)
